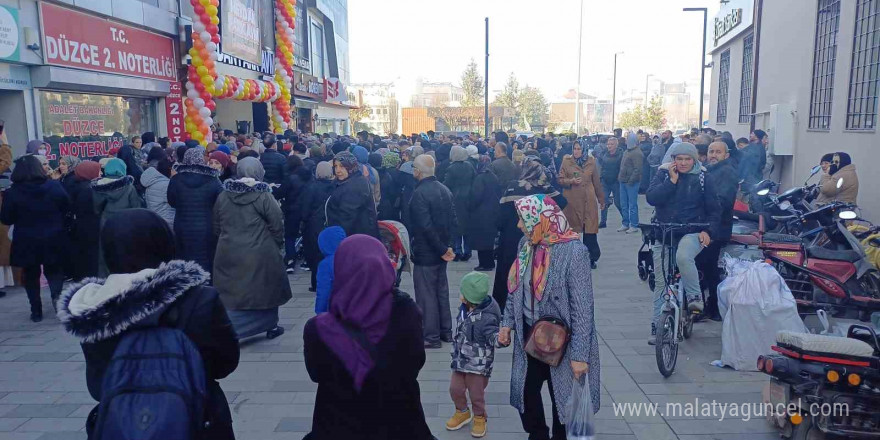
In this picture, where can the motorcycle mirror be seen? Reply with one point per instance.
(785, 205)
(763, 192)
(815, 170)
(847, 215)
(839, 183)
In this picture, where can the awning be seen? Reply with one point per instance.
(305, 103)
(82, 81)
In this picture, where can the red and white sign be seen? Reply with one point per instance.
(174, 113)
(75, 39)
(334, 90)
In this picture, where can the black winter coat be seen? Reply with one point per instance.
(37, 210)
(86, 230)
(688, 201)
(484, 206)
(311, 205)
(192, 193)
(274, 163)
(289, 193)
(609, 165)
(407, 186)
(388, 406)
(175, 291)
(390, 185)
(352, 207)
(459, 180)
(432, 213)
(646, 147)
(725, 180)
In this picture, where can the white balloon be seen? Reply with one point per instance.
(211, 46)
(189, 86)
(208, 120)
(192, 93)
(198, 26)
(199, 102)
(213, 56)
(219, 83)
(205, 36)
(205, 112)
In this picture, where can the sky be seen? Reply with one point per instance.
(536, 40)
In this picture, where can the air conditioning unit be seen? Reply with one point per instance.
(781, 129)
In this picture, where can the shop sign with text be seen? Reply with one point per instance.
(75, 39)
(240, 30)
(174, 113)
(307, 86)
(9, 43)
(733, 17)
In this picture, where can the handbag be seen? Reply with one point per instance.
(548, 339)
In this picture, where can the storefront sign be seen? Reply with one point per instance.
(302, 63)
(174, 113)
(240, 31)
(266, 68)
(734, 17)
(307, 86)
(86, 125)
(75, 39)
(334, 91)
(9, 33)
(14, 77)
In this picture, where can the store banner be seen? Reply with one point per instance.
(9, 41)
(89, 126)
(75, 39)
(240, 30)
(307, 86)
(334, 91)
(174, 113)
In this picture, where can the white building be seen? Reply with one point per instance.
(806, 72)
(384, 109)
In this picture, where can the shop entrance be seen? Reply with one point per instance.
(14, 118)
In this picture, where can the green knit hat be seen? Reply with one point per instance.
(475, 287)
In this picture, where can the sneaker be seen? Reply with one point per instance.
(623, 229)
(602, 225)
(458, 420)
(593, 265)
(716, 317)
(36, 316)
(290, 269)
(478, 429)
(633, 230)
(484, 269)
(433, 345)
(652, 340)
(275, 332)
(695, 306)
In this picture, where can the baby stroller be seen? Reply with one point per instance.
(645, 261)
(395, 237)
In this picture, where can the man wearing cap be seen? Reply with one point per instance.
(682, 193)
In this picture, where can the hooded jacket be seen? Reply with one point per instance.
(250, 236)
(99, 311)
(111, 196)
(351, 206)
(476, 333)
(275, 165)
(156, 194)
(692, 200)
(37, 211)
(849, 190)
(725, 180)
(328, 240)
(192, 193)
(631, 164)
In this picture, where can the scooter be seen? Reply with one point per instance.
(824, 386)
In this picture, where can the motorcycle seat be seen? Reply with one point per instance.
(833, 254)
(782, 238)
(824, 344)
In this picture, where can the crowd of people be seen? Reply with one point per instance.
(213, 230)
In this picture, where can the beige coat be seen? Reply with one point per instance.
(847, 193)
(585, 198)
(5, 243)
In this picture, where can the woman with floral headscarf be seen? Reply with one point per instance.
(391, 186)
(351, 205)
(533, 180)
(549, 279)
(192, 193)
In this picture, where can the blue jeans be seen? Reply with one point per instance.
(610, 188)
(688, 248)
(629, 204)
(460, 246)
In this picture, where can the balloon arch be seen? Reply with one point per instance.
(205, 85)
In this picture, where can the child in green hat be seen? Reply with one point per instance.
(473, 352)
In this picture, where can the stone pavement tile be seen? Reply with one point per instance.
(43, 410)
(265, 397)
(699, 388)
(75, 435)
(6, 408)
(52, 424)
(750, 436)
(610, 427)
(83, 398)
(244, 427)
(294, 424)
(82, 412)
(31, 397)
(249, 411)
(656, 377)
(293, 385)
(43, 357)
(727, 426)
(652, 431)
(10, 423)
(20, 385)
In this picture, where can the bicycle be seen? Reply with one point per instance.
(673, 327)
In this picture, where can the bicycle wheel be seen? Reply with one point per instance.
(687, 328)
(666, 347)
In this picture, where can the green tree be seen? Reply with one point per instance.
(533, 106)
(472, 84)
(652, 117)
(356, 115)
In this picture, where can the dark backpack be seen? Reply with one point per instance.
(154, 387)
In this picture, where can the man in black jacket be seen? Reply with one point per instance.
(432, 216)
(681, 193)
(273, 161)
(722, 172)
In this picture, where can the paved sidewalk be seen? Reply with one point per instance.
(43, 392)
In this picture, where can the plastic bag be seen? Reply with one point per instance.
(580, 423)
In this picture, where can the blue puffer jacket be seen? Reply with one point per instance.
(192, 193)
(476, 333)
(274, 164)
(692, 200)
(328, 240)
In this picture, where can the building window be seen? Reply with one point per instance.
(723, 83)
(861, 107)
(317, 40)
(824, 56)
(745, 95)
(301, 32)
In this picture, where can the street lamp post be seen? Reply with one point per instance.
(577, 98)
(614, 90)
(647, 79)
(703, 62)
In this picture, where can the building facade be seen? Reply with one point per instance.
(806, 72)
(384, 110)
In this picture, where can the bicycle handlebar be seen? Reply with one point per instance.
(674, 225)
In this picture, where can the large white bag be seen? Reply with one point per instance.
(755, 304)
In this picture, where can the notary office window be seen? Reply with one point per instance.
(861, 107)
(745, 95)
(723, 86)
(824, 57)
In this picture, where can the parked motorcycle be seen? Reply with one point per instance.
(824, 386)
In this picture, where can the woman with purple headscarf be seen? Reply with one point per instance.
(366, 352)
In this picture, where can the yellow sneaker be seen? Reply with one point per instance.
(478, 429)
(458, 420)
